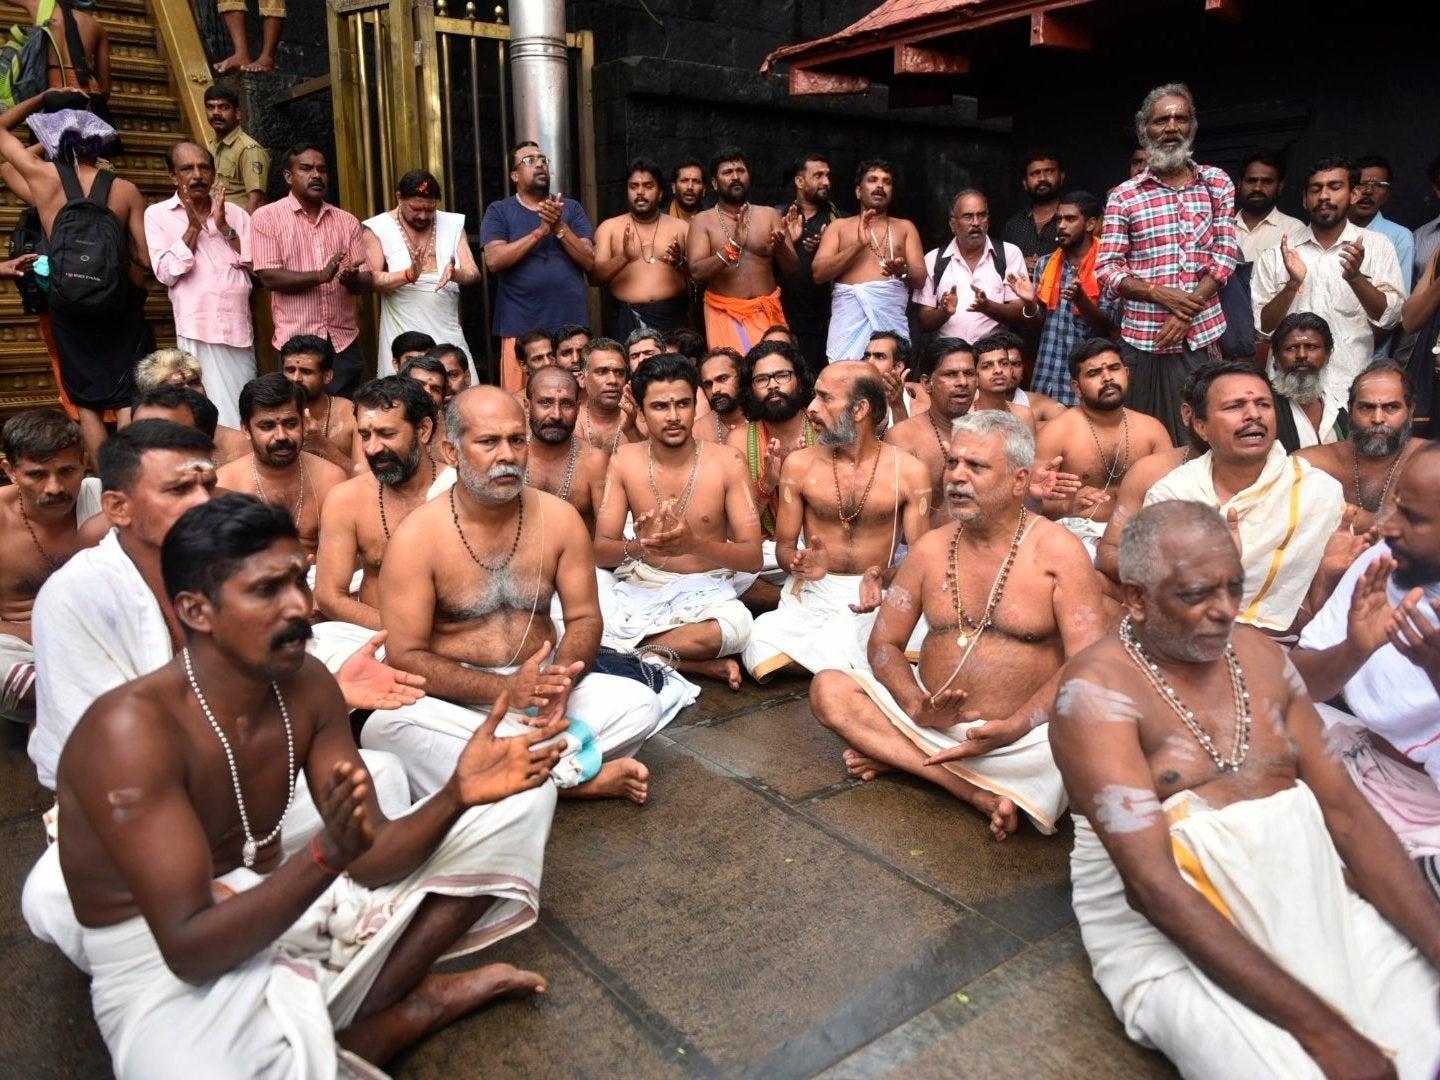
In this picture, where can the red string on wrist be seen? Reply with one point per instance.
(319, 859)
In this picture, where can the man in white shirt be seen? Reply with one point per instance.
(1348, 276)
(967, 293)
(1259, 225)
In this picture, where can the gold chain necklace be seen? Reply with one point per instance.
(963, 622)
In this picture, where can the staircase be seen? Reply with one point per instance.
(150, 118)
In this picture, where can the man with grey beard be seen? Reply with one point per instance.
(1172, 320)
(465, 596)
(395, 421)
(1382, 413)
(1304, 415)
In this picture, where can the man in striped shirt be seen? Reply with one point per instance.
(1167, 248)
(310, 255)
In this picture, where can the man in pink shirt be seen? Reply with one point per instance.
(311, 257)
(200, 251)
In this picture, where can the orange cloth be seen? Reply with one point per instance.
(512, 377)
(1049, 291)
(739, 323)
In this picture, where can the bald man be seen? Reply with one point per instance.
(465, 594)
(559, 461)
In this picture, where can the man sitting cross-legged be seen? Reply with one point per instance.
(1008, 596)
(1217, 841)
(210, 952)
(395, 420)
(854, 498)
(465, 596)
(696, 526)
(947, 374)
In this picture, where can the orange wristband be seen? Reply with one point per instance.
(319, 859)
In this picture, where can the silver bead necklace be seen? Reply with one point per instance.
(252, 846)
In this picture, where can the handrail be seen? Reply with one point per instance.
(189, 66)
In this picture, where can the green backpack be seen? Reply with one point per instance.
(24, 56)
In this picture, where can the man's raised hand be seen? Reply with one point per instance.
(348, 831)
(535, 682)
(369, 683)
(493, 766)
(811, 562)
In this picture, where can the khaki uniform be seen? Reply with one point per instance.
(242, 165)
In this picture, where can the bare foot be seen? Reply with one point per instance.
(446, 998)
(234, 62)
(1004, 818)
(723, 668)
(625, 778)
(260, 63)
(862, 767)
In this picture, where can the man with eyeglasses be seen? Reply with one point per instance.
(967, 293)
(540, 247)
(1347, 275)
(1371, 195)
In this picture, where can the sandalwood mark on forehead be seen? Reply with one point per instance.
(1089, 702)
(1121, 809)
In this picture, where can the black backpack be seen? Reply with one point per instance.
(89, 251)
(28, 238)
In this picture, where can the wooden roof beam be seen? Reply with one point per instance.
(912, 60)
(808, 82)
(1053, 32)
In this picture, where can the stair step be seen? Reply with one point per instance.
(127, 29)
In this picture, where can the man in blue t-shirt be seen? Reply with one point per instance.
(539, 247)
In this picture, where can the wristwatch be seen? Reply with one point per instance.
(560, 233)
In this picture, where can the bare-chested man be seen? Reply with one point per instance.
(1042, 406)
(184, 369)
(559, 461)
(854, 498)
(695, 527)
(395, 422)
(277, 470)
(607, 419)
(465, 595)
(40, 517)
(1382, 411)
(1217, 840)
(873, 263)
(195, 956)
(992, 391)
(640, 255)
(1008, 597)
(733, 249)
(947, 374)
(329, 419)
(1097, 440)
(888, 352)
(721, 371)
(570, 342)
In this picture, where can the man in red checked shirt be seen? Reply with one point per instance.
(1167, 248)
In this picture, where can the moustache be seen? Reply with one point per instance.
(281, 446)
(295, 630)
(383, 460)
(504, 472)
(722, 402)
(46, 501)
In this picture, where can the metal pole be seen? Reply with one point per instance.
(540, 77)
(492, 366)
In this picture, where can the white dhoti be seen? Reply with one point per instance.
(1023, 772)
(857, 311)
(420, 305)
(17, 675)
(813, 627)
(1087, 530)
(225, 369)
(1269, 866)
(610, 718)
(275, 1015)
(770, 570)
(646, 601)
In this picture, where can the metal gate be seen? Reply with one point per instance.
(425, 84)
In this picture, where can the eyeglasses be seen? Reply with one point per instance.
(532, 160)
(779, 378)
(1374, 185)
(980, 215)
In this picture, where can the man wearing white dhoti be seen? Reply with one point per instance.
(1377, 643)
(695, 527)
(852, 528)
(465, 595)
(1215, 835)
(874, 265)
(1008, 596)
(421, 257)
(200, 251)
(198, 963)
(1286, 510)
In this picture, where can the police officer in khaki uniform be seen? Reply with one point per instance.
(241, 163)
